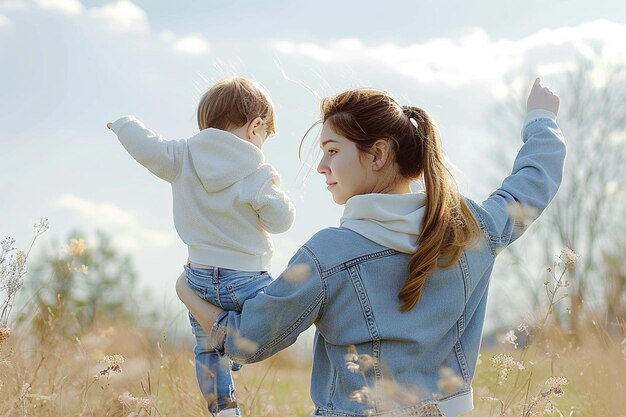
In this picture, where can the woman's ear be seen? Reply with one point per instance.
(380, 151)
(254, 124)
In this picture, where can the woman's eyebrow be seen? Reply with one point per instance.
(327, 141)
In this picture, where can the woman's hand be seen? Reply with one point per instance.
(541, 98)
(204, 312)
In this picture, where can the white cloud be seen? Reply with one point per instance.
(14, 5)
(473, 57)
(4, 21)
(122, 16)
(192, 44)
(124, 226)
(70, 7)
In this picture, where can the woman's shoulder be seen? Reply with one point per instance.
(333, 246)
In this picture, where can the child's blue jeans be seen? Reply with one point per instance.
(227, 289)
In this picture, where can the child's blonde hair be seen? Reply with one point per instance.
(233, 102)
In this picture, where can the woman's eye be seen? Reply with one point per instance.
(332, 151)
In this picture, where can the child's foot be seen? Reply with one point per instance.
(229, 412)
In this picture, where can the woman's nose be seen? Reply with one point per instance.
(322, 167)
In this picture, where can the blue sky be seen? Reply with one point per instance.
(70, 66)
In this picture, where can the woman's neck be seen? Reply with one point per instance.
(396, 187)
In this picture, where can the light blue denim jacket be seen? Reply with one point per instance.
(350, 293)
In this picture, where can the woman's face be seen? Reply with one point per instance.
(348, 171)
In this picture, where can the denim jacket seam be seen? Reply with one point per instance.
(287, 331)
(322, 279)
(342, 266)
(464, 391)
(366, 305)
(492, 238)
(460, 357)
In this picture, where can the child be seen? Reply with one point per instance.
(226, 202)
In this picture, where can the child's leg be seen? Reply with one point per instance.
(212, 369)
(213, 373)
(236, 287)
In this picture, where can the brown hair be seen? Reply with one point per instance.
(233, 102)
(365, 116)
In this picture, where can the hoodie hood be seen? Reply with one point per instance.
(220, 158)
(391, 220)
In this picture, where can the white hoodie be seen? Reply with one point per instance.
(226, 198)
(391, 220)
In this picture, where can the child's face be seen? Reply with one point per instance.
(346, 169)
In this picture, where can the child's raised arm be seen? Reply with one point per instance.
(536, 174)
(162, 157)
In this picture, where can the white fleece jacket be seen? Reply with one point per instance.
(226, 198)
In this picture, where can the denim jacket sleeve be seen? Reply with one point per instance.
(533, 183)
(273, 319)
(162, 157)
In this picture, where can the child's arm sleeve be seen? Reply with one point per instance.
(162, 157)
(276, 212)
(533, 183)
(273, 319)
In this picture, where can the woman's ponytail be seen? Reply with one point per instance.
(448, 225)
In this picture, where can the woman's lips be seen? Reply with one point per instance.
(330, 185)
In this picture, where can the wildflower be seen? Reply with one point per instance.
(351, 357)
(562, 284)
(352, 367)
(41, 227)
(362, 396)
(297, 273)
(114, 360)
(114, 364)
(449, 382)
(366, 362)
(555, 386)
(510, 337)
(7, 244)
(130, 400)
(505, 364)
(569, 256)
(521, 214)
(84, 269)
(19, 261)
(77, 247)
(523, 327)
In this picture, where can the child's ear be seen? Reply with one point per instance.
(254, 124)
(380, 151)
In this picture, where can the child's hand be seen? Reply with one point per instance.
(541, 98)
(109, 125)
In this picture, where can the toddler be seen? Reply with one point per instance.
(226, 202)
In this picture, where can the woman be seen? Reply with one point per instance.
(398, 292)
